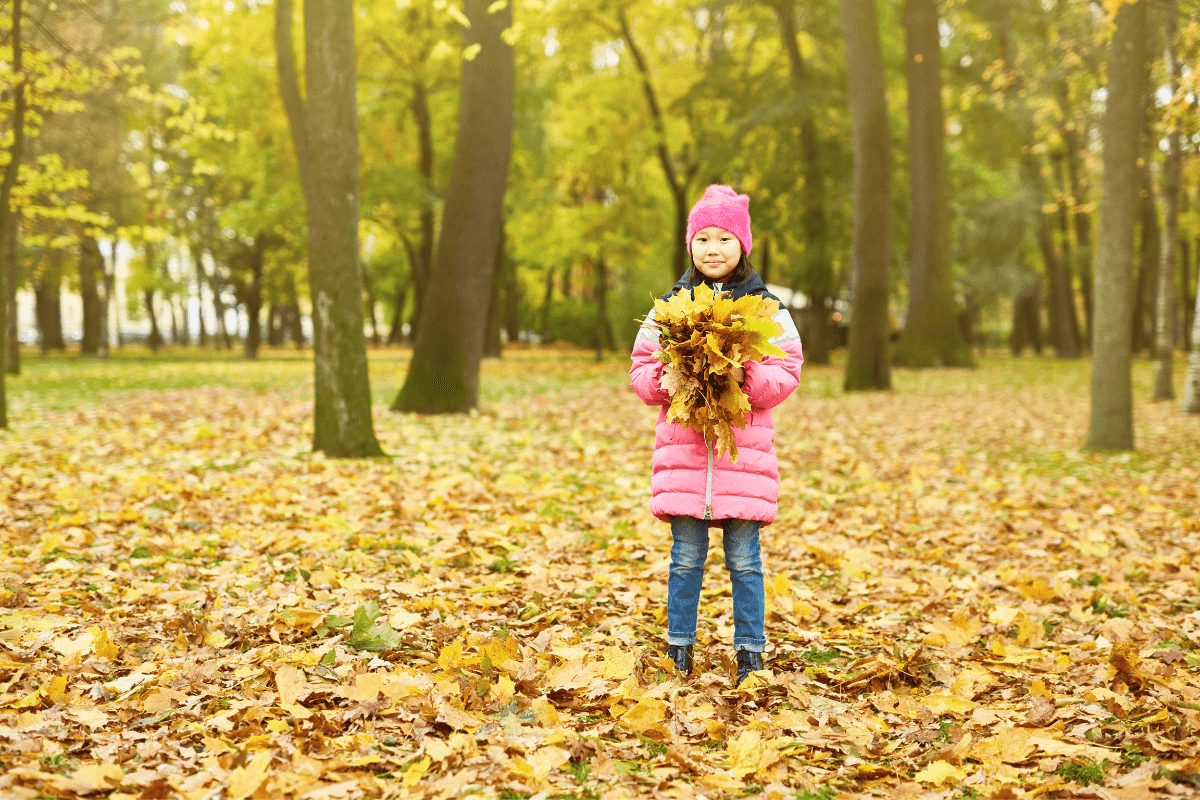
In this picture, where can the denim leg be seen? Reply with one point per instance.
(743, 559)
(689, 551)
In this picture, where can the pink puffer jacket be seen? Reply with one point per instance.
(686, 478)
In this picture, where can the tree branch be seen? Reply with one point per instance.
(289, 85)
(664, 155)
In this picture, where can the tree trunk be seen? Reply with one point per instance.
(871, 250)
(1111, 419)
(1027, 321)
(274, 325)
(396, 331)
(443, 376)
(90, 263)
(816, 265)
(325, 134)
(12, 359)
(1082, 222)
(1164, 335)
(1146, 286)
(15, 152)
(547, 299)
(202, 338)
(1064, 328)
(764, 261)
(369, 309)
(1191, 385)
(48, 296)
(492, 347)
(422, 259)
(677, 183)
(930, 336)
(512, 304)
(604, 329)
(1185, 269)
(257, 255)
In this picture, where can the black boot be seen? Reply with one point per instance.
(747, 662)
(682, 656)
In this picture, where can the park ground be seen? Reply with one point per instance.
(961, 602)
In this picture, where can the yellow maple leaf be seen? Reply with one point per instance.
(244, 781)
(939, 772)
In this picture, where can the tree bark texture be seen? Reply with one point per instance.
(325, 133)
(1111, 419)
(1164, 334)
(816, 266)
(867, 364)
(604, 329)
(91, 263)
(443, 376)
(1185, 275)
(931, 337)
(512, 304)
(155, 340)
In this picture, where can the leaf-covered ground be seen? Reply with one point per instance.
(961, 604)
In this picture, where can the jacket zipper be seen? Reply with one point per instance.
(708, 485)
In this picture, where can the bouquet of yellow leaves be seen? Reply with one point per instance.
(703, 339)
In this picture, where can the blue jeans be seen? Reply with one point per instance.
(743, 559)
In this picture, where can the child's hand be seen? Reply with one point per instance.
(739, 374)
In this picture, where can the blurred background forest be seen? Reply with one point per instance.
(158, 198)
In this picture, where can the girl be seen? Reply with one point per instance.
(690, 488)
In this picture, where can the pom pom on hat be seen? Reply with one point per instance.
(723, 207)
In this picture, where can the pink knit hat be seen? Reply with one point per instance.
(723, 207)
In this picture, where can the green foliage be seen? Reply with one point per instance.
(1085, 774)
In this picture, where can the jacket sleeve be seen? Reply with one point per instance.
(646, 373)
(769, 382)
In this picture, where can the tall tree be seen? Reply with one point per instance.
(679, 177)
(325, 134)
(1111, 422)
(1191, 385)
(1164, 335)
(931, 336)
(867, 362)
(8, 180)
(817, 266)
(443, 376)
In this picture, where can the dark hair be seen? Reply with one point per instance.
(740, 273)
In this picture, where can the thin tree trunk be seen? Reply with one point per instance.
(816, 265)
(274, 325)
(1111, 419)
(369, 309)
(12, 360)
(325, 134)
(930, 336)
(396, 330)
(1164, 338)
(1063, 325)
(422, 259)
(90, 263)
(15, 152)
(443, 376)
(678, 181)
(155, 339)
(1191, 385)
(1027, 321)
(48, 294)
(604, 330)
(1146, 286)
(257, 255)
(547, 299)
(1185, 269)
(492, 347)
(764, 261)
(867, 363)
(202, 328)
(512, 304)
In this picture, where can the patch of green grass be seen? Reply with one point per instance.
(1131, 756)
(824, 793)
(1084, 774)
(815, 655)
(579, 770)
(1102, 605)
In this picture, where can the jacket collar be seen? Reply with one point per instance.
(752, 285)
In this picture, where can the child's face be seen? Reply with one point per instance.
(715, 252)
